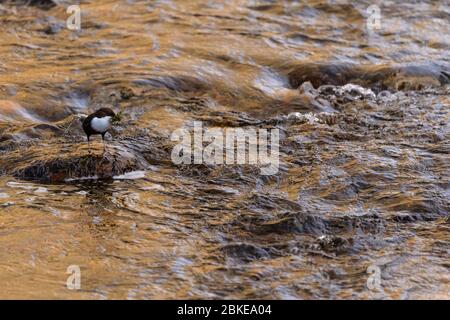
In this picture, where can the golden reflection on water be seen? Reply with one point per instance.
(224, 233)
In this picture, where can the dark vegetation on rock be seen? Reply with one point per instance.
(41, 4)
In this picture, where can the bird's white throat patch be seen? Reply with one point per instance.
(101, 124)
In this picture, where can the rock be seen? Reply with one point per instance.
(355, 92)
(375, 77)
(244, 251)
(385, 96)
(58, 151)
(59, 163)
(335, 244)
(127, 93)
(62, 160)
(41, 4)
(182, 83)
(307, 88)
(328, 118)
(311, 118)
(54, 28)
(327, 90)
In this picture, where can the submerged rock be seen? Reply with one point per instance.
(311, 118)
(356, 91)
(331, 243)
(64, 163)
(375, 77)
(65, 159)
(244, 251)
(41, 4)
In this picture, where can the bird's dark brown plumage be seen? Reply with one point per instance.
(103, 112)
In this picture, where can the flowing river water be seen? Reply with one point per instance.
(362, 191)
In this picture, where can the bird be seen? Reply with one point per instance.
(99, 122)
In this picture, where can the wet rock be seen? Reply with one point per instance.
(327, 90)
(385, 96)
(406, 217)
(5, 137)
(377, 78)
(311, 118)
(53, 28)
(328, 118)
(64, 163)
(182, 83)
(218, 190)
(40, 131)
(292, 223)
(298, 117)
(244, 251)
(356, 92)
(334, 244)
(229, 119)
(319, 74)
(63, 158)
(282, 223)
(72, 125)
(307, 88)
(127, 93)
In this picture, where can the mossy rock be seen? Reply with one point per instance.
(65, 162)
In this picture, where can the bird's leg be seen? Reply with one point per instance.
(104, 145)
(89, 144)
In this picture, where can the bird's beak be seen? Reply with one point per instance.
(117, 117)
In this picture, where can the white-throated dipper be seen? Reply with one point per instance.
(99, 122)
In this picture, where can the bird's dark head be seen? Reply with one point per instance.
(104, 112)
(107, 112)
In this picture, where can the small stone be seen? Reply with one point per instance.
(307, 88)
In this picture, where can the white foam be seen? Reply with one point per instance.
(133, 175)
(18, 185)
(41, 190)
(303, 117)
(270, 82)
(54, 211)
(153, 187)
(28, 116)
(78, 101)
(81, 178)
(349, 88)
